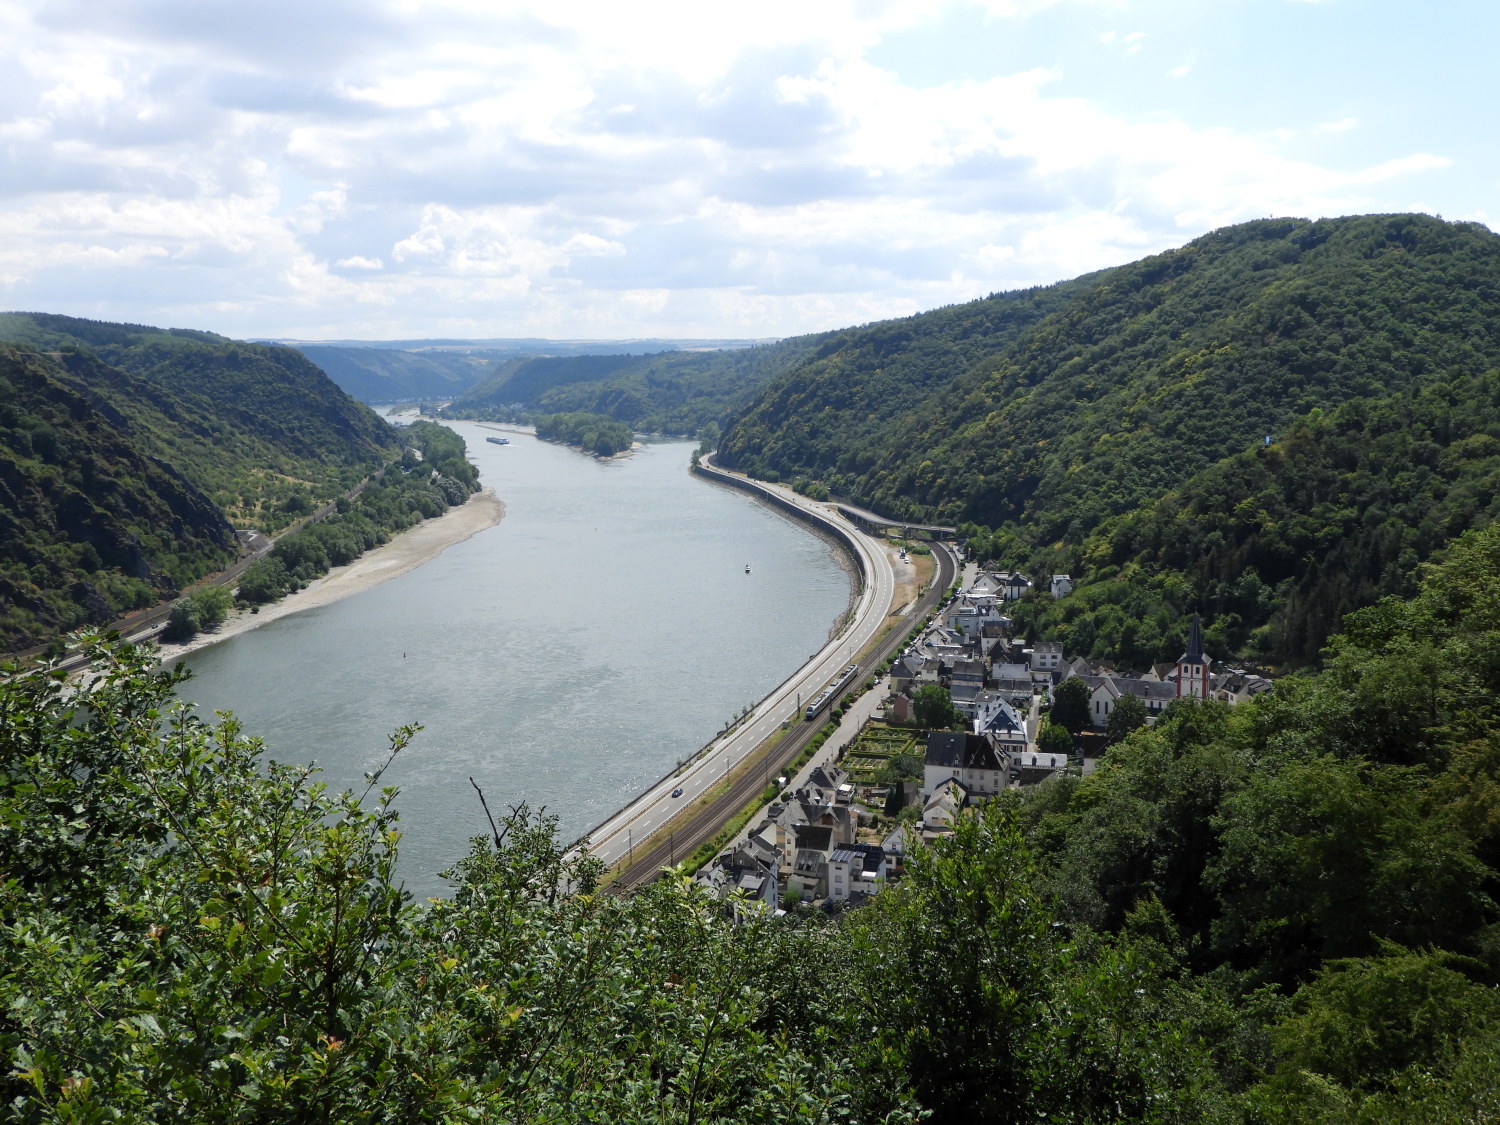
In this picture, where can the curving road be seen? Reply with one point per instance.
(689, 819)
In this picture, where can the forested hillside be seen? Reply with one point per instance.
(1280, 913)
(247, 393)
(92, 525)
(1277, 544)
(1088, 426)
(128, 452)
(678, 392)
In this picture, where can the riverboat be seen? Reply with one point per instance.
(498, 440)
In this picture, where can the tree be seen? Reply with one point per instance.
(1129, 714)
(1054, 739)
(242, 947)
(264, 580)
(183, 621)
(995, 1015)
(1361, 1019)
(1070, 705)
(213, 604)
(1324, 857)
(933, 708)
(901, 767)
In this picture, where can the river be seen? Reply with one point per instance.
(567, 657)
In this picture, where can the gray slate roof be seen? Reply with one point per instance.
(961, 752)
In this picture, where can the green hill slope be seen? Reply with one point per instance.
(91, 524)
(1278, 543)
(1049, 413)
(128, 452)
(675, 392)
(382, 375)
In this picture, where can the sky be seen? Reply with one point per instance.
(399, 169)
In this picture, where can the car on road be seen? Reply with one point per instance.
(677, 792)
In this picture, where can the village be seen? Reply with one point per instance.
(840, 832)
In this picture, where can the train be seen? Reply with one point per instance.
(821, 701)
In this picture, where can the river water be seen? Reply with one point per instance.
(568, 657)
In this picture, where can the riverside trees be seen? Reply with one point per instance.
(434, 475)
(593, 433)
(1280, 912)
(202, 609)
(187, 934)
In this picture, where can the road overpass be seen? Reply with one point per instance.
(874, 524)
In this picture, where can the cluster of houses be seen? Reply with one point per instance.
(970, 650)
(811, 845)
(809, 848)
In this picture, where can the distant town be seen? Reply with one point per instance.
(842, 831)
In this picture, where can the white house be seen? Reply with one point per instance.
(1002, 724)
(1046, 656)
(1235, 686)
(857, 868)
(1107, 690)
(942, 807)
(967, 758)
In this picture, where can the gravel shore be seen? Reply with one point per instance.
(413, 547)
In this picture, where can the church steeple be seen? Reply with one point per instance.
(1192, 666)
(1194, 651)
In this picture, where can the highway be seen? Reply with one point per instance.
(689, 819)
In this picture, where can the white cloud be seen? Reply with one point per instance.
(572, 168)
(1129, 44)
(1404, 166)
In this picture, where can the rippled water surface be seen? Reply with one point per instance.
(568, 656)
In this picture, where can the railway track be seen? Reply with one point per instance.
(697, 824)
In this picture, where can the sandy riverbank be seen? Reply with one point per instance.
(413, 547)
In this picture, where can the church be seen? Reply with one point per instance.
(1192, 676)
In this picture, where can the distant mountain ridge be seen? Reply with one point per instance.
(375, 371)
(682, 392)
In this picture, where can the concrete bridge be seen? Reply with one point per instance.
(874, 524)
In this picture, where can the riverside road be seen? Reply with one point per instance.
(690, 818)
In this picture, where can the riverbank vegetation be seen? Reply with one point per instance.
(592, 433)
(1280, 912)
(432, 476)
(204, 610)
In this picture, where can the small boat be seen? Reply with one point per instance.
(498, 440)
(747, 568)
